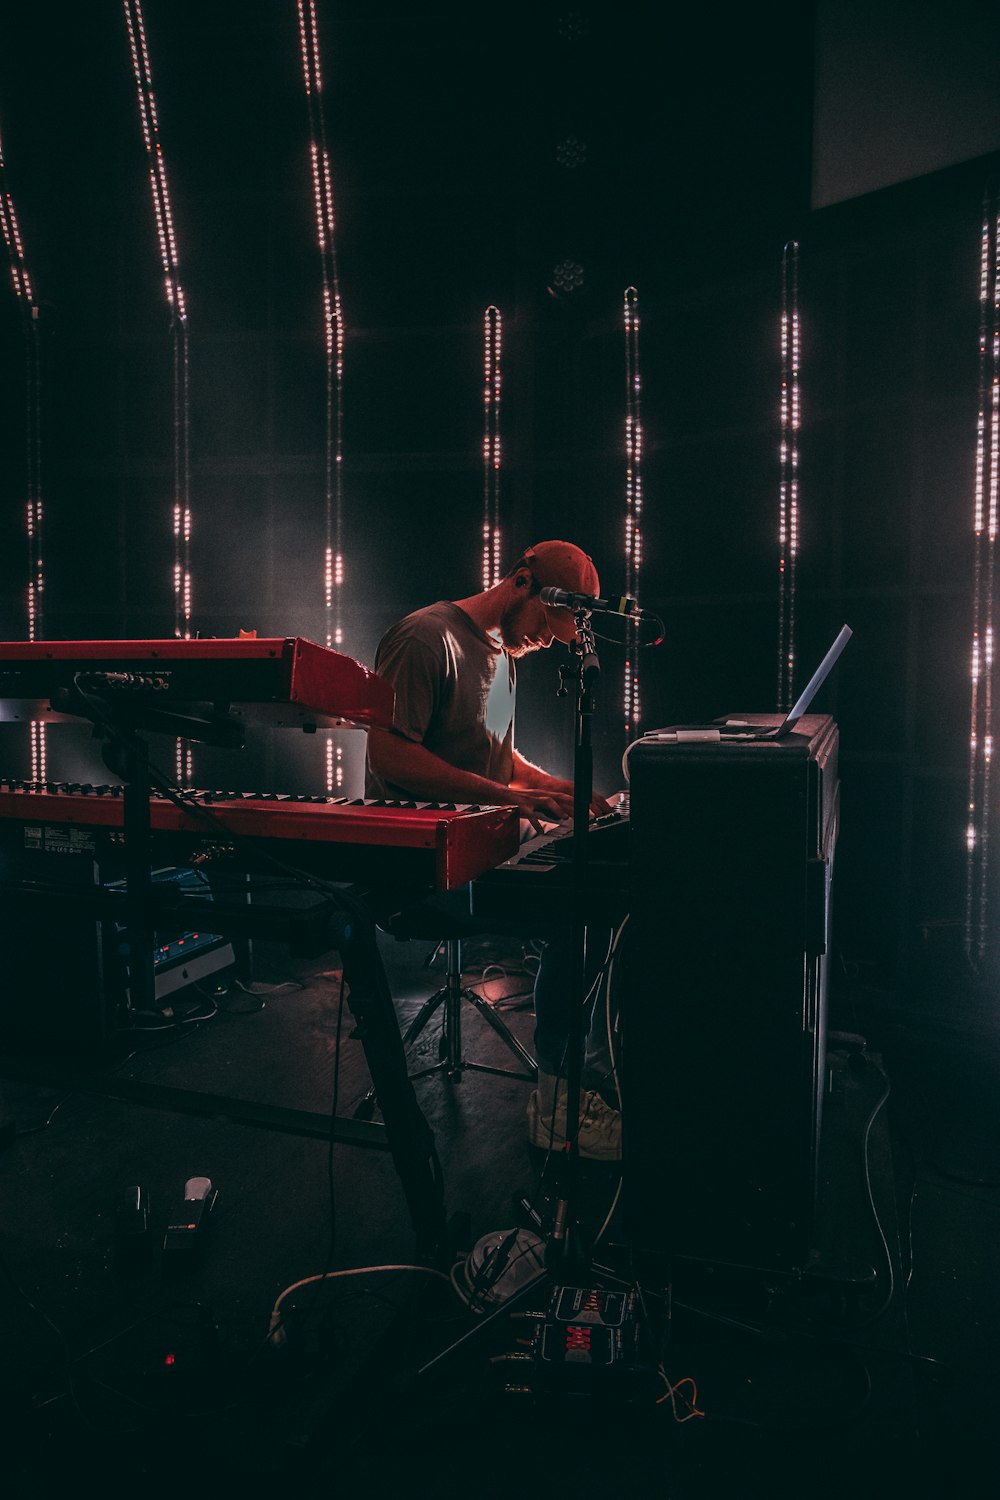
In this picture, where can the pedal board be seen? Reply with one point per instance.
(593, 1343)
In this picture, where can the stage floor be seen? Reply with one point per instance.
(155, 1378)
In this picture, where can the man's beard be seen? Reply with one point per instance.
(512, 633)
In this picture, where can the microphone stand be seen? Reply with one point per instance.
(564, 1254)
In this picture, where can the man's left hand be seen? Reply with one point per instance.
(598, 807)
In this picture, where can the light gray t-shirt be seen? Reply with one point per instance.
(454, 693)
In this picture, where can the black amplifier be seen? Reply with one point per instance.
(724, 1006)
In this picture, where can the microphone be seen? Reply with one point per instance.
(615, 604)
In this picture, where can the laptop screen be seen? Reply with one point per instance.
(815, 682)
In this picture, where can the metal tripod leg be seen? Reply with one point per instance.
(451, 1062)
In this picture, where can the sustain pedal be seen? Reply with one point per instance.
(188, 1221)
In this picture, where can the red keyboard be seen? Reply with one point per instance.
(276, 680)
(439, 846)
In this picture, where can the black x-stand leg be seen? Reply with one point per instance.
(410, 1138)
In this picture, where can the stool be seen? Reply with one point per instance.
(448, 1000)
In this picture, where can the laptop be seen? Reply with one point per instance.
(736, 729)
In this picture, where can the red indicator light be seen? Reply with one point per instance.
(171, 1359)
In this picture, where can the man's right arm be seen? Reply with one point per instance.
(407, 764)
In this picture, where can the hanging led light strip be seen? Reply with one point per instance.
(633, 507)
(788, 487)
(492, 335)
(166, 236)
(15, 245)
(176, 300)
(29, 309)
(333, 323)
(985, 518)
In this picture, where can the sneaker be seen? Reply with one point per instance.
(600, 1132)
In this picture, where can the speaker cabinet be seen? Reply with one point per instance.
(724, 1009)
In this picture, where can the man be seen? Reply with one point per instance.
(452, 665)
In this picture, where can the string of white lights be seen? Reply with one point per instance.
(633, 508)
(492, 338)
(166, 236)
(985, 517)
(788, 486)
(333, 323)
(34, 511)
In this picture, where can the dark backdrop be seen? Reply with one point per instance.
(448, 127)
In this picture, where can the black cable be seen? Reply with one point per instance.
(777, 1334)
(149, 1407)
(614, 640)
(339, 898)
(338, 895)
(502, 1002)
(482, 1282)
(8, 1273)
(331, 1183)
(551, 1155)
(34, 1129)
(71, 1389)
(187, 803)
(885, 1304)
(330, 1178)
(778, 1338)
(72, 1361)
(174, 1025)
